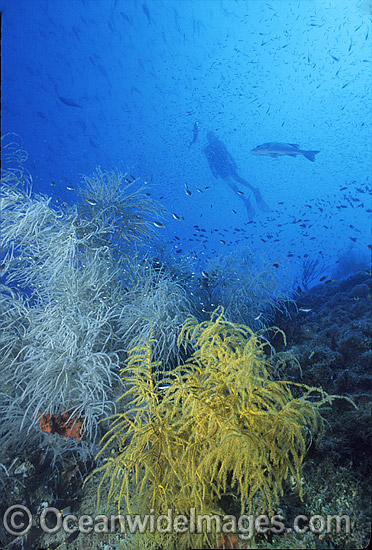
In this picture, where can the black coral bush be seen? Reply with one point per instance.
(219, 424)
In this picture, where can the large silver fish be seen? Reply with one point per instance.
(279, 149)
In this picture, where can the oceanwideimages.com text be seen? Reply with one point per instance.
(18, 520)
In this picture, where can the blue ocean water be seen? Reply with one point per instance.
(123, 84)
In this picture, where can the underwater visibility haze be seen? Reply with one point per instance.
(185, 269)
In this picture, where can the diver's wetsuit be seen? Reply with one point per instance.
(224, 166)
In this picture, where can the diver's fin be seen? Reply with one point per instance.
(262, 205)
(310, 155)
(250, 210)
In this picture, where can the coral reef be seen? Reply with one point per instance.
(333, 352)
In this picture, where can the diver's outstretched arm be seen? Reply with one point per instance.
(262, 205)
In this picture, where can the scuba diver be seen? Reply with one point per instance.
(224, 166)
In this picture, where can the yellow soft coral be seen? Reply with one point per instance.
(219, 423)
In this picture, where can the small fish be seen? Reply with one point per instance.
(275, 265)
(333, 57)
(187, 190)
(52, 183)
(305, 310)
(258, 316)
(70, 188)
(92, 202)
(275, 149)
(146, 12)
(195, 133)
(159, 224)
(125, 16)
(205, 274)
(311, 354)
(69, 102)
(176, 217)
